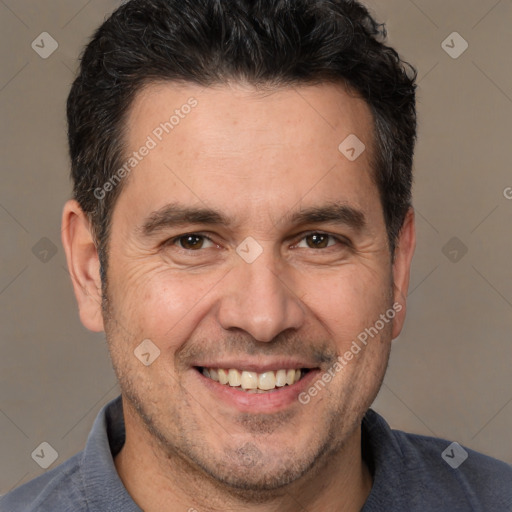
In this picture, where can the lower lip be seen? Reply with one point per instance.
(258, 402)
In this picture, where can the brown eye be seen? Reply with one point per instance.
(318, 240)
(191, 242)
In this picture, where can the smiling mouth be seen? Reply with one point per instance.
(253, 382)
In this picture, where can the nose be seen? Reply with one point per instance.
(257, 300)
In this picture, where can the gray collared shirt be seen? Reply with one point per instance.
(411, 473)
(88, 481)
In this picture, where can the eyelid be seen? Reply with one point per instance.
(339, 238)
(174, 240)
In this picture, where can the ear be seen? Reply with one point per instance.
(83, 264)
(402, 267)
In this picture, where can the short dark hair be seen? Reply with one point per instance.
(263, 42)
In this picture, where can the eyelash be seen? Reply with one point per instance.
(340, 240)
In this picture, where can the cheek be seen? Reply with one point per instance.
(165, 305)
(347, 301)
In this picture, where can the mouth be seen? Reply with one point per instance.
(255, 387)
(252, 382)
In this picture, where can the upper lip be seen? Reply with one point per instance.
(258, 367)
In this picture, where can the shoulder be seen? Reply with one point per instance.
(440, 472)
(460, 462)
(58, 490)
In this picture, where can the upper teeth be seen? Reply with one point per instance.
(252, 380)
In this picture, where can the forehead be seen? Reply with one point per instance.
(298, 114)
(232, 146)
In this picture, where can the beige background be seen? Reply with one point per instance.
(450, 371)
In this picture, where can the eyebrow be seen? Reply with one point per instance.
(337, 213)
(173, 215)
(176, 215)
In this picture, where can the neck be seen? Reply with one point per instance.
(157, 482)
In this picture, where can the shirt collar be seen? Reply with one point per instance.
(104, 490)
(384, 457)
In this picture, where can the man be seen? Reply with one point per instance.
(242, 231)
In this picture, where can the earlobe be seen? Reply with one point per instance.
(83, 264)
(404, 252)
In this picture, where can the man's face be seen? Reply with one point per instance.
(295, 270)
